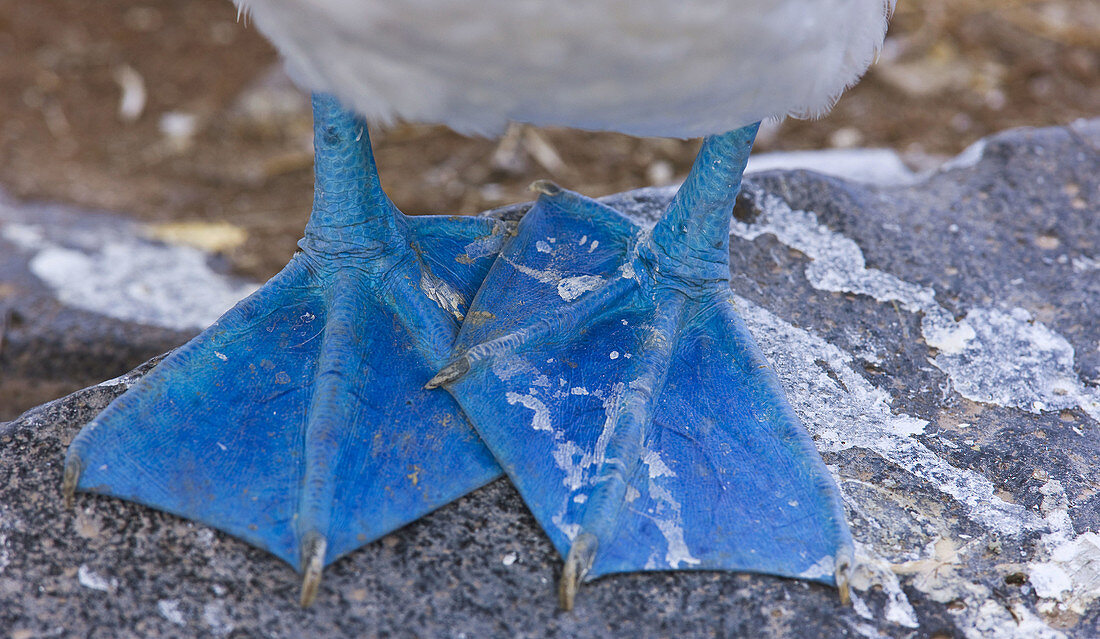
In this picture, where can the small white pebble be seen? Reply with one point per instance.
(846, 138)
(170, 610)
(90, 579)
(179, 127)
(132, 102)
(492, 192)
(215, 616)
(509, 559)
(659, 173)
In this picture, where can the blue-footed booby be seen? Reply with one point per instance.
(399, 362)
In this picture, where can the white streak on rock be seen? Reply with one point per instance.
(844, 411)
(859, 606)
(5, 555)
(1070, 575)
(871, 569)
(837, 263)
(1049, 580)
(131, 279)
(994, 356)
(1014, 361)
(216, 618)
(993, 619)
(990, 356)
(1084, 263)
(7, 522)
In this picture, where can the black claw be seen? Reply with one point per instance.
(843, 577)
(451, 373)
(313, 562)
(73, 469)
(577, 564)
(546, 187)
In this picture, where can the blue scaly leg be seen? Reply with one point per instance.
(298, 421)
(605, 367)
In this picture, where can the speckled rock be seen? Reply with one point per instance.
(938, 339)
(55, 259)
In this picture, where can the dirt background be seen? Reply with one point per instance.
(176, 114)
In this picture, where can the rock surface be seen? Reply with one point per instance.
(86, 295)
(938, 339)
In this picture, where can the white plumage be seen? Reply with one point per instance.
(645, 67)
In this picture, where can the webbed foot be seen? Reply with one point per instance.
(298, 422)
(605, 367)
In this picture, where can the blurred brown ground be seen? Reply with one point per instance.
(206, 145)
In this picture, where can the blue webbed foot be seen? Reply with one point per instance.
(605, 367)
(298, 421)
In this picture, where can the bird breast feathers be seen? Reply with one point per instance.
(646, 67)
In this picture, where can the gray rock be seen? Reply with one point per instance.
(938, 339)
(66, 320)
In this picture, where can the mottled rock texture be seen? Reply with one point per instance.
(939, 340)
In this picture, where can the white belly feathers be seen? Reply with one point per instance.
(646, 67)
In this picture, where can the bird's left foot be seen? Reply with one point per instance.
(298, 422)
(605, 367)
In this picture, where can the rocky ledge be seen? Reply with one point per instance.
(938, 336)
